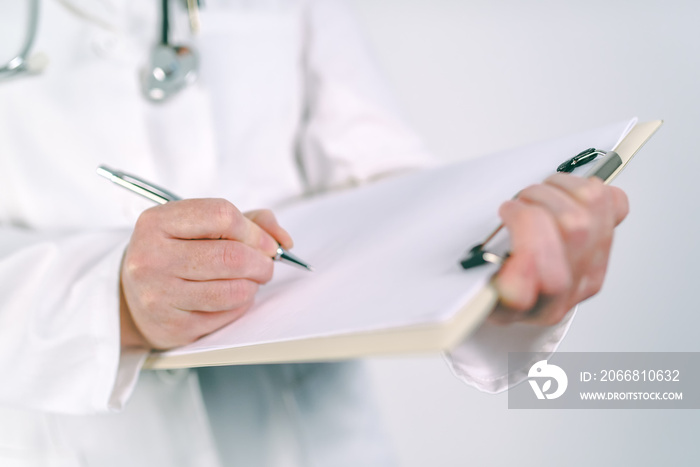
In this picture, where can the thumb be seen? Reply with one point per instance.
(266, 220)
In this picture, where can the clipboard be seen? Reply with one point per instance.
(397, 287)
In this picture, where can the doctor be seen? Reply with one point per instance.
(287, 104)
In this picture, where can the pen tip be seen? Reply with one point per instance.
(289, 258)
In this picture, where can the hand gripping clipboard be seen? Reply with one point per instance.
(606, 168)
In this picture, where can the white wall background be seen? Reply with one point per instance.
(478, 76)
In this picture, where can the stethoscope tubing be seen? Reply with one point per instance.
(179, 61)
(18, 62)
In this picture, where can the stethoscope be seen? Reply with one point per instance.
(22, 62)
(170, 68)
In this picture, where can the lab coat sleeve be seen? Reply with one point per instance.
(354, 134)
(60, 345)
(481, 360)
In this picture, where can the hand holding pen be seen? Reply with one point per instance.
(162, 196)
(192, 266)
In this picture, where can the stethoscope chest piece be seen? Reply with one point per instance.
(171, 68)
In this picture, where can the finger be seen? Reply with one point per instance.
(204, 260)
(546, 312)
(208, 219)
(591, 192)
(592, 280)
(184, 327)
(577, 226)
(206, 323)
(516, 283)
(563, 207)
(549, 310)
(213, 296)
(534, 235)
(620, 203)
(267, 221)
(503, 315)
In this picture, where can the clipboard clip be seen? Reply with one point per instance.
(582, 158)
(479, 255)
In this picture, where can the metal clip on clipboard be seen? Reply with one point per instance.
(604, 169)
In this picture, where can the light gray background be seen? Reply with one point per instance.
(476, 76)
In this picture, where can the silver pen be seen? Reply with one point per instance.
(162, 196)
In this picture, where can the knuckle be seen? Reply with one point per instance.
(224, 212)
(149, 300)
(233, 254)
(533, 214)
(241, 291)
(592, 193)
(136, 266)
(576, 226)
(145, 258)
(552, 178)
(131, 264)
(235, 293)
(541, 215)
(525, 212)
(528, 192)
(148, 217)
(559, 178)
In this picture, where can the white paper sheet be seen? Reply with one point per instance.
(387, 254)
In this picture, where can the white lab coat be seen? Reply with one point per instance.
(287, 104)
